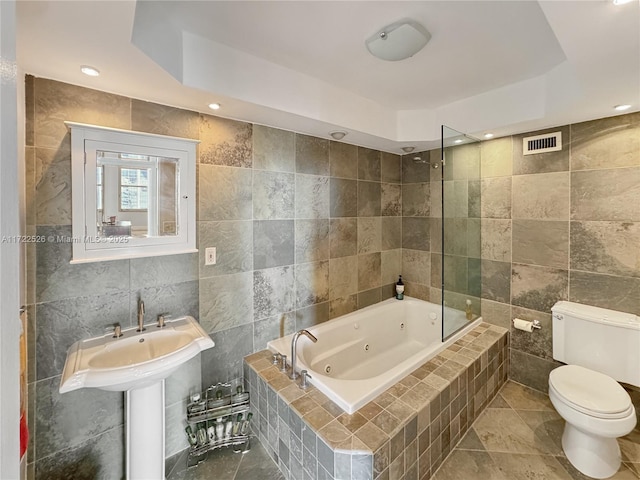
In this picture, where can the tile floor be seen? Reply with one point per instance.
(517, 437)
(224, 464)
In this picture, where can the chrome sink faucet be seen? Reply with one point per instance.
(294, 341)
(140, 316)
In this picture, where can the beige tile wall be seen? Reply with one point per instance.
(560, 226)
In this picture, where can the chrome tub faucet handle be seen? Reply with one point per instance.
(304, 376)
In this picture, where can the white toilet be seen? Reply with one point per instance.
(601, 347)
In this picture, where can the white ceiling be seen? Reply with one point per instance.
(503, 66)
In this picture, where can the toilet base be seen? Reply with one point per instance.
(594, 456)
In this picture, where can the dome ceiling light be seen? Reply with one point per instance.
(400, 40)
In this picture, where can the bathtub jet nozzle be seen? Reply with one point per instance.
(294, 342)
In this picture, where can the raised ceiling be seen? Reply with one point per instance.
(504, 66)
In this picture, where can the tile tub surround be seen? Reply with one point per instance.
(406, 432)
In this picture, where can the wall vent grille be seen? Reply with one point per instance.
(549, 142)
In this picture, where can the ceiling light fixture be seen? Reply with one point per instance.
(458, 141)
(338, 134)
(488, 135)
(408, 149)
(400, 40)
(214, 106)
(622, 108)
(89, 70)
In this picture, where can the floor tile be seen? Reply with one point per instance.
(547, 427)
(633, 468)
(525, 398)
(529, 467)
(470, 441)
(467, 465)
(499, 402)
(225, 464)
(502, 430)
(624, 473)
(257, 464)
(630, 446)
(220, 464)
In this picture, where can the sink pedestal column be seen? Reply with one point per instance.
(144, 424)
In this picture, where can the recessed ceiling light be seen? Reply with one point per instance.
(89, 70)
(458, 141)
(488, 135)
(338, 134)
(621, 2)
(408, 149)
(622, 108)
(214, 106)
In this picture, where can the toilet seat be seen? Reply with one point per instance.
(589, 392)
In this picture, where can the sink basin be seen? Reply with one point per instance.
(134, 360)
(139, 349)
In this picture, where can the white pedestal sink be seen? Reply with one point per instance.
(137, 363)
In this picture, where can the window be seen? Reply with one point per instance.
(99, 187)
(134, 189)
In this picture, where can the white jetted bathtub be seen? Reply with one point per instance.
(361, 354)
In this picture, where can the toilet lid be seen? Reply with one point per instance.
(595, 392)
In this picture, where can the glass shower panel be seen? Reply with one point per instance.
(460, 258)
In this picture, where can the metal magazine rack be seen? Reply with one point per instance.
(218, 418)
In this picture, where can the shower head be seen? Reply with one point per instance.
(423, 161)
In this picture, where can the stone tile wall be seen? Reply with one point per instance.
(80, 434)
(306, 229)
(405, 433)
(422, 195)
(556, 226)
(420, 233)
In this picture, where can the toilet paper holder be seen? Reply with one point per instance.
(526, 325)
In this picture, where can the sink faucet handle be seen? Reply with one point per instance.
(117, 330)
(140, 316)
(275, 359)
(161, 319)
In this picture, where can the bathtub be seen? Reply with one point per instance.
(361, 354)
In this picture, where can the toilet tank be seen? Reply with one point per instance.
(603, 340)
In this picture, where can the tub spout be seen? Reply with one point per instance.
(294, 341)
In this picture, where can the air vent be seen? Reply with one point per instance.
(549, 142)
